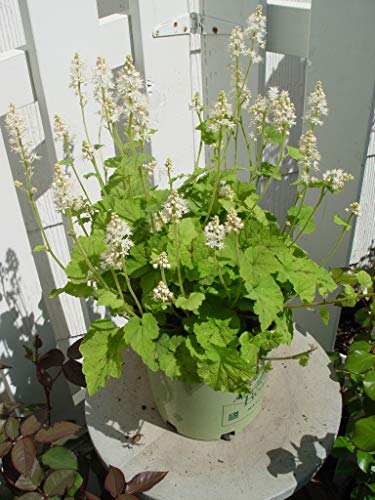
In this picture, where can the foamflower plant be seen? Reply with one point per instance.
(205, 277)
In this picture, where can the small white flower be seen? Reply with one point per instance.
(130, 89)
(104, 85)
(87, 151)
(214, 233)
(174, 208)
(61, 129)
(221, 115)
(18, 184)
(119, 242)
(150, 167)
(283, 115)
(317, 106)
(233, 224)
(258, 113)
(168, 165)
(162, 293)
(307, 147)
(78, 78)
(354, 208)
(226, 191)
(19, 137)
(237, 45)
(335, 179)
(64, 196)
(196, 103)
(256, 27)
(161, 261)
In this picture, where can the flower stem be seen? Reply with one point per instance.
(220, 274)
(216, 186)
(339, 240)
(33, 204)
(179, 274)
(93, 161)
(70, 158)
(132, 293)
(293, 356)
(322, 193)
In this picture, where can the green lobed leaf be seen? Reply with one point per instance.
(214, 331)
(108, 299)
(273, 135)
(140, 333)
(257, 263)
(208, 135)
(191, 303)
(224, 370)
(364, 433)
(101, 349)
(268, 299)
(59, 457)
(93, 246)
(249, 351)
(302, 218)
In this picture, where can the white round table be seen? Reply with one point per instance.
(279, 452)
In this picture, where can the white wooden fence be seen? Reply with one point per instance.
(37, 41)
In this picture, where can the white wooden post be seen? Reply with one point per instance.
(165, 64)
(342, 55)
(54, 33)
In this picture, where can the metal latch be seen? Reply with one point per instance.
(193, 23)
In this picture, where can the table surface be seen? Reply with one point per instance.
(280, 450)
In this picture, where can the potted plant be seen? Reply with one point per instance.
(204, 276)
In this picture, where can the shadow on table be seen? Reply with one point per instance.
(132, 406)
(303, 460)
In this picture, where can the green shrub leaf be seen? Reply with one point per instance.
(59, 457)
(364, 433)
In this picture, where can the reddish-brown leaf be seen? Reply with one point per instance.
(91, 496)
(144, 481)
(34, 422)
(33, 480)
(73, 372)
(5, 448)
(4, 367)
(12, 428)
(57, 431)
(114, 481)
(30, 496)
(58, 482)
(54, 357)
(23, 455)
(127, 497)
(73, 351)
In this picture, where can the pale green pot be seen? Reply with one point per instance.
(199, 412)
